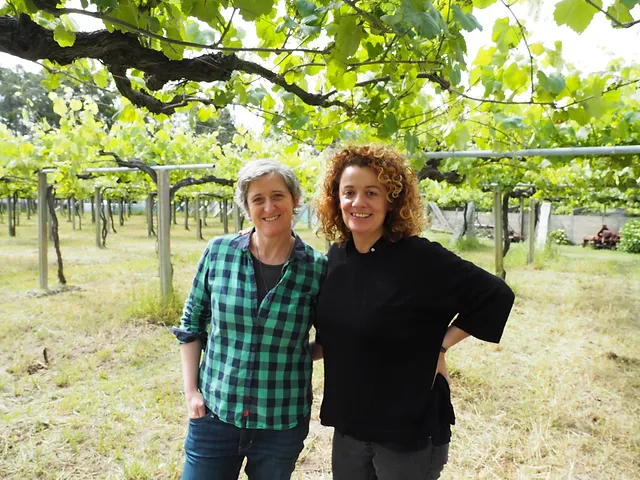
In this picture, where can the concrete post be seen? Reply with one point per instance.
(149, 212)
(97, 200)
(498, 233)
(73, 212)
(522, 216)
(164, 229)
(197, 218)
(236, 217)
(225, 215)
(531, 237)
(42, 231)
(12, 232)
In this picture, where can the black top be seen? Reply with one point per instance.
(381, 318)
(267, 276)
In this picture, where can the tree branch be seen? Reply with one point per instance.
(616, 23)
(44, 6)
(524, 38)
(370, 18)
(133, 164)
(187, 182)
(119, 51)
(431, 171)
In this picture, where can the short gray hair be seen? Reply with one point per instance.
(258, 168)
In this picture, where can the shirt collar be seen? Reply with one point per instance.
(242, 242)
(380, 244)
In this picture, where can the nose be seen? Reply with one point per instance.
(358, 200)
(269, 206)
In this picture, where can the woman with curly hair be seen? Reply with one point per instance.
(391, 305)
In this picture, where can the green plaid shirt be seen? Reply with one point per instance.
(256, 369)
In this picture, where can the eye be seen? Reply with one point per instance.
(372, 193)
(347, 193)
(278, 196)
(257, 200)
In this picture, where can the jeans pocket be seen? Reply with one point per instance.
(202, 419)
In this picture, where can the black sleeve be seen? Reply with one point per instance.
(333, 255)
(482, 301)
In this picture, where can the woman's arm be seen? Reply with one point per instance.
(316, 351)
(453, 336)
(190, 353)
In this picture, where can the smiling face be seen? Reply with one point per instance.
(271, 205)
(363, 203)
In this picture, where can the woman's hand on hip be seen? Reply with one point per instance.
(441, 368)
(195, 405)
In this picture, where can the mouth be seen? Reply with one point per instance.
(361, 215)
(271, 219)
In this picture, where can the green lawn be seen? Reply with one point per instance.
(559, 398)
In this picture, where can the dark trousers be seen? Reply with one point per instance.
(215, 450)
(354, 459)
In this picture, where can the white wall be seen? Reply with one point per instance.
(575, 226)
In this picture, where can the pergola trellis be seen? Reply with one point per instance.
(164, 222)
(533, 152)
(163, 186)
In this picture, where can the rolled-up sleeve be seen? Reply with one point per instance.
(196, 315)
(483, 301)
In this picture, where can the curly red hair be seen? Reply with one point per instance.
(405, 217)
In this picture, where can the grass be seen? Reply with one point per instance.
(558, 398)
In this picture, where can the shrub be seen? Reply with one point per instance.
(630, 237)
(559, 237)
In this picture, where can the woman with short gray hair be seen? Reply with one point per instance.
(251, 307)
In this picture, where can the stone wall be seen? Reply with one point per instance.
(575, 226)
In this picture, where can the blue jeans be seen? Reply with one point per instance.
(215, 450)
(353, 459)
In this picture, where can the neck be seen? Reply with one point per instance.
(271, 250)
(363, 243)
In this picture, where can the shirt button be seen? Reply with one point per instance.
(373, 249)
(253, 348)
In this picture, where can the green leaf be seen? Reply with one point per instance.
(389, 126)
(101, 78)
(504, 35)
(480, 4)
(553, 83)
(575, 14)
(128, 114)
(64, 37)
(484, 56)
(252, 9)
(620, 12)
(392, 19)
(630, 3)
(348, 37)
(203, 114)
(75, 105)
(557, 83)
(423, 17)
(411, 142)
(203, 11)
(256, 95)
(305, 8)
(59, 107)
(462, 137)
(335, 73)
(536, 48)
(515, 77)
(467, 21)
